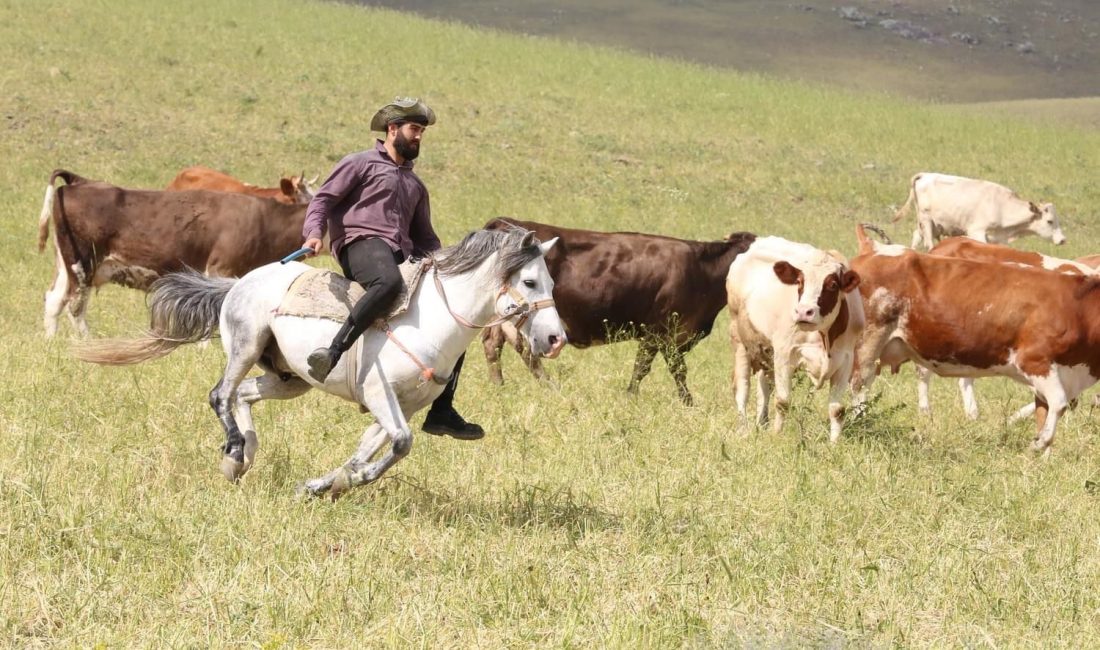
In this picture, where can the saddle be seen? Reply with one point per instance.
(320, 293)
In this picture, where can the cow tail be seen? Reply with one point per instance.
(48, 203)
(183, 308)
(866, 246)
(909, 201)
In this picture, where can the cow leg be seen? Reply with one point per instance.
(763, 395)
(647, 350)
(677, 366)
(371, 441)
(924, 380)
(917, 237)
(57, 297)
(970, 400)
(927, 230)
(255, 389)
(1025, 411)
(492, 341)
(874, 340)
(78, 307)
(741, 374)
(783, 369)
(837, 387)
(1054, 400)
(533, 362)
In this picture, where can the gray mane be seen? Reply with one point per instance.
(475, 247)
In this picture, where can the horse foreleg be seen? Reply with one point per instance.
(255, 389)
(647, 351)
(360, 471)
(369, 444)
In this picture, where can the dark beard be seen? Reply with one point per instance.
(404, 148)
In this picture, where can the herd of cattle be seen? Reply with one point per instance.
(1021, 315)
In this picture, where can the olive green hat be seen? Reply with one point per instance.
(405, 109)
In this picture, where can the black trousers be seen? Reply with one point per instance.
(373, 264)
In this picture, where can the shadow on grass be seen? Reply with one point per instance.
(521, 506)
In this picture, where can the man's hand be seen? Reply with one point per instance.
(313, 243)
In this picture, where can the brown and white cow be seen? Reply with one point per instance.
(107, 234)
(615, 286)
(792, 305)
(295, 189)
(953, 205)
(962, 318)
(970, 249)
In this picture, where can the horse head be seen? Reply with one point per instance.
(527, 299)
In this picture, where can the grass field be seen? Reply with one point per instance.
(585, 518)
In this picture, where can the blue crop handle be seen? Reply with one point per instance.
(301, 252)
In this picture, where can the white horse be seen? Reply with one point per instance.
(488, 278)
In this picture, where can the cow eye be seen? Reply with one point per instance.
(831, 283)
(530, 284)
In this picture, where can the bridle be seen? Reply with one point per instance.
(521, 309)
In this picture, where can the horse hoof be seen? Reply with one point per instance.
(340, 485)
(232, 470)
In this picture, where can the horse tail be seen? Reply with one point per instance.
(909, 201)
(183, 308)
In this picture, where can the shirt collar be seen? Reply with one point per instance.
(380, 147)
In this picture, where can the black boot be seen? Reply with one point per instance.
(322, 360)
(444, 420)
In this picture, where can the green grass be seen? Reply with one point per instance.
(585, 518)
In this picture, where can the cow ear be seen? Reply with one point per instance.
(1035, 211)
(786, 273)
(286, 186)
(547, 245)
(849, 281)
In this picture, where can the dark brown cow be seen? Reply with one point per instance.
(613, 286)
(107, 234)
(295, 189)
(962, 318)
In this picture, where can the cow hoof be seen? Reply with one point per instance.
(232, 470)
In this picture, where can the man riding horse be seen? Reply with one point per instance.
(377, 213)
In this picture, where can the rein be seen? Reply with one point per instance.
(522, 309)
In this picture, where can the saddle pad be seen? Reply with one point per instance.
(320, 293)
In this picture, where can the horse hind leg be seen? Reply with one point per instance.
(255, 389)
(243, 348)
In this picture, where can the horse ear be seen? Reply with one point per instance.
(546, 246)
(528, 240)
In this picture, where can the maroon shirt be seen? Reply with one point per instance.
(369, 195)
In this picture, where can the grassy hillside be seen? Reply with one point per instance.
(585, 518)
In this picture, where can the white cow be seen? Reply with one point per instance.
(953, 205)
(792, 305)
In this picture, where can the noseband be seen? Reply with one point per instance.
(521, 309)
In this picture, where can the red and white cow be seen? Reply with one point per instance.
(1027, 324)
(792, 305)
(970, 249)
(983, 210)
(295, 189)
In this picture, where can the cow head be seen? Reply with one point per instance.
(297, 188)
(820, 290)
(1044, 222)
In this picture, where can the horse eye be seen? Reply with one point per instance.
(530, 284)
